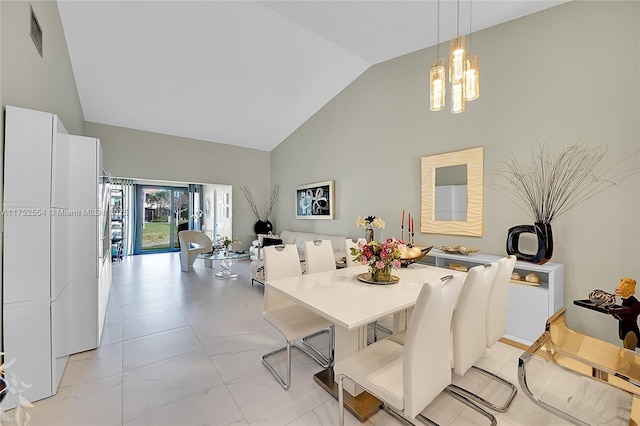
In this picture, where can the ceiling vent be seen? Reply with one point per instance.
(36, 32)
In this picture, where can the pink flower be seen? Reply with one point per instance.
(380, 264)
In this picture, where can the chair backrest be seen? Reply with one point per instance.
(196, 238)
(279, 262)
(349, 243)
(318, 256)
(469, 317)
(496, 326)
(426, 360)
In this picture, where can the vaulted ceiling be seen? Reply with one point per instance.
(246, 73)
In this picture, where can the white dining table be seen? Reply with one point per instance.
(351, 304)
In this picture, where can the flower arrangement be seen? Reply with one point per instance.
(380, 256)
(370, 222)
(227, 242)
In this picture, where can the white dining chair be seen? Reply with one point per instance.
(318, 256)
(349, 244)
(469, 333)
(290, 318)
(408, 378)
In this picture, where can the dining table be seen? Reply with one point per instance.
(346, 298)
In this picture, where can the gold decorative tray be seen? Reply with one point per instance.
(465, 251)
(365, 277)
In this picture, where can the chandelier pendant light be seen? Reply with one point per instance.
(472, 71)
(464, 71)
(437, 83)
(457, 64)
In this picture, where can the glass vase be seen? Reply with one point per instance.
(368, 234)
(381, 275)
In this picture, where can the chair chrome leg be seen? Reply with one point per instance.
(307, 349)
(394, 413)
(285, 384)
(480, 400)
(310, 349)
(471, 404)
(522, 379)
(341, 400)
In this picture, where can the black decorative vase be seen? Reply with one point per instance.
(545, 242)
(263, 227)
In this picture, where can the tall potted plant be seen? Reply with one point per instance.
(263, 225)
(546, 185)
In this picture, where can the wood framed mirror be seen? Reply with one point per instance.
(452, 193)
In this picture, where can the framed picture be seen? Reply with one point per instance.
(315, 200)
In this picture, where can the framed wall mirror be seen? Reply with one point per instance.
(452, 193)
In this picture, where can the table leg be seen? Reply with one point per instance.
(226, 269)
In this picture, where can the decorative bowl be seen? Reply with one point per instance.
(458, 250)
(602, 298)
(408, 261)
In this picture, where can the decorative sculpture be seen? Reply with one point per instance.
(628, 322)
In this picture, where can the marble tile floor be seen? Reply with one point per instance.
(184, 349)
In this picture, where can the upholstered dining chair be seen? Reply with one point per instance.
(318, 256)
(192, 243)
(496, 325)
(288, 317)
(408, 378)
(469, 333)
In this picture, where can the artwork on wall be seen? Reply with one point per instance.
(315, 200)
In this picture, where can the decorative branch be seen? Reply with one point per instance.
(268, 203)
(546, 186)
(272, 202)
(252, 202)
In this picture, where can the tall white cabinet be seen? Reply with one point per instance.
(90, 276)
(41, 282)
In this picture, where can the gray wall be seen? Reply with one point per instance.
(542, 79)
(42, 83)
(27, 80)
(145, 155)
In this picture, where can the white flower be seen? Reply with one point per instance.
(373, 221)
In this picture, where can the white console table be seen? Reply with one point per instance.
(529, 305)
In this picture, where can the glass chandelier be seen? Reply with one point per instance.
(464, 71)
(436, 74)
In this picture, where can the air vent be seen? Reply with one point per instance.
(36, 32)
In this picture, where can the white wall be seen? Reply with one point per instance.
(563, 75)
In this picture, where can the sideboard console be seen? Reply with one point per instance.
(529, 305)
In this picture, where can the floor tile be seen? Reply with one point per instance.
(184, 348)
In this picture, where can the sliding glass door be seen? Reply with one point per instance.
(163, 212)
